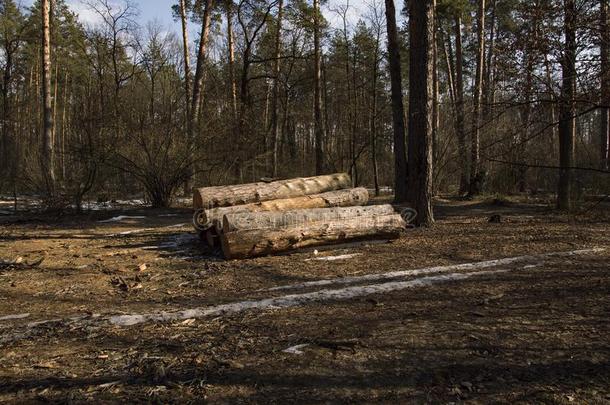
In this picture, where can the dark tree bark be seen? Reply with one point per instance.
(47, 138)
(421, 98)
(476, 116)
(459, 107)
(201, 55)
(566, 108)
(398, 110)
(488, 81)
(275, 109)
(186, 56)
(374, 102)
(531, 46)
(319, 123)
(231, 50)
(604, 47)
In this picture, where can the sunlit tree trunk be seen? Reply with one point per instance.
(459, 107)
(275, 117)
(47, 106)
(199, 72)
(231, 46)
(187, 57)
(476, 116)
(319, 124)
(488, 81)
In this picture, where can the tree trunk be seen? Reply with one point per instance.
(488, 82)
(222, 196)
(475, 183)
(275, 118)
(341, 198)
(448, 53)
(435, 100)
(187, 58)
(258, 242)
(373, 119)
(421, 71)
(521, 148)
(605, 86)
(47, 106)
(231, 46)
(283, 219)
(398, 110)
(319, 124)
(566, 109)
(459, 108)
(199, 72)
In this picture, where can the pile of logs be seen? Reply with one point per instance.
(256, 219)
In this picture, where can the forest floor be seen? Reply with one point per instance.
(532, 329)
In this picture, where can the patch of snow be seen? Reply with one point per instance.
(145, 230)
(333, 258)
(296, 349)
(12, 317)
(122, 217)
(431, 270)
(132, 231)
(293, 300)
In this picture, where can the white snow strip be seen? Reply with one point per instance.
(333, 258)
(296, 349)
(431, 270)
(144, 230)
(132, 231)
(293, 300)
(122, 217)
(12, 317)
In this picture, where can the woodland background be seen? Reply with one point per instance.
(131, 113)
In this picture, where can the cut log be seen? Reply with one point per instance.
(281, 219)
(341, 198)
(225, 196)
(259, 242)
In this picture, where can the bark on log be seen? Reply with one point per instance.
(258, 242)
(265, 220)
(224, 196)
(341, 198)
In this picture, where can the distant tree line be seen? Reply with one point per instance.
(445, 96)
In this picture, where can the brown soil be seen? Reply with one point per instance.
(535, 334)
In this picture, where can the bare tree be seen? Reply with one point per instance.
(318, 122)
(275, 113)
(398, 109)
(47, 104)
(476, 116)
(604, 46)
(187, 57)
(231, 53)
(459, 107)
(566, 108)
(199, 72)
(377, 22)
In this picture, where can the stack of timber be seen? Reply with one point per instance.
(264, 218)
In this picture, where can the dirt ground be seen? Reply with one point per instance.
(537, 332)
